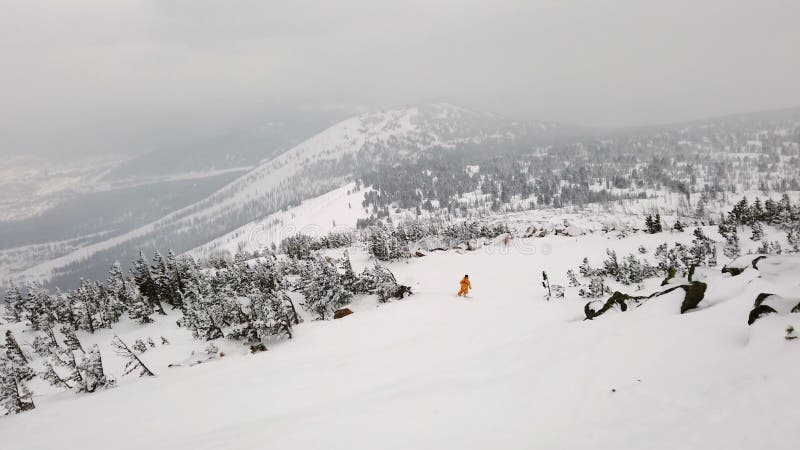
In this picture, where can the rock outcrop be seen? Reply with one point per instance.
(693, 294)
(738, 265)
(772, 304)
(344, 312)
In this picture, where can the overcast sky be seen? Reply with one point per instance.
(125, 75)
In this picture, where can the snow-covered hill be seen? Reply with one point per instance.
(334, 211)
(324, 162)
(502, 369)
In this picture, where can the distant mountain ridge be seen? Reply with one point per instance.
(569, 164)
(244, 148)
(317, 165)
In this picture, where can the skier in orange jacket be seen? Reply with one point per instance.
(465, 286)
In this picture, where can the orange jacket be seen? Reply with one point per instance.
(465, 284)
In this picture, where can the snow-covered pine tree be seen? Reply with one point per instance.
(298, 246)
(139, 346)
(71, 340)
(163, 278)
(585, 269)
(633, 270)
(50, 375)
(793, 238)
(700, 210)
(784, 217)
(255, 328)
(325, 292)
(116, 283)
(147, 285)
(378, 245)
(348, 276)
(110, 307)
(132, 361)
(384, 245)
(203, 314)
(84, 306)
(93, 373)
(377, 280)
(596, 288)
(611, 264)
(14, 351)
(758, 232)
(139, 309)
(702, 248)
(39, 308)
(282, 315)
(572, 280)
(323, 289)
(756, 211)
(17, 364)
(731, 249)
(740, 214)
(15, 396)
(64, 309)
(14, 307)
(771, 209)
(179, 269)
(47, 347)
(124, 295)
(166, 278)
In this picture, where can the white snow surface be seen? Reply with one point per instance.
(503, 369)
(334, 211)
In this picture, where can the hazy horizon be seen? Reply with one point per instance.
(94, 77)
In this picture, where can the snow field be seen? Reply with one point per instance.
(504, 369)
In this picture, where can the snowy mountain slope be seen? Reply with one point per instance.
(334, 211)
(321, 163)
(504, 369)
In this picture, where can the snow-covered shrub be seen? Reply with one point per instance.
(323, 288)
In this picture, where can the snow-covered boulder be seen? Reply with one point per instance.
(693, 294)
(502, 239)
(573, 230)
(772, 304)
(741, 263)
(778, 268)
(344, 312)
(433, 243)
